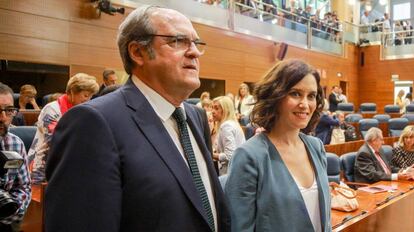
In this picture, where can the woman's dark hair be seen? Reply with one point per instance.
(274, 87)
(409, 96)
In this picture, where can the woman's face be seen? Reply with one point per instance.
(217, 111)
(80, 97)
(243, 91)
(28, 97)
(409, 142)
(297, 108)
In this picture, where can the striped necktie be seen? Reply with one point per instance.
(192, 162)
(382, 163)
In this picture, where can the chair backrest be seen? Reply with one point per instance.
(353, 117)
(333, 167)
(347, 165)
(193, 101)
(396, 125)
(386, 150)
(16, 97)
(382, 117)
(346, 107)
(410, 117)
(365, 124)
(409, 108)
(46, 98)
(25, 133)
(248, 131)
(368, 108)
(391, 109)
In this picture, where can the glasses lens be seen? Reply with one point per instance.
(201, 46)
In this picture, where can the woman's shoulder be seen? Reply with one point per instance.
(257, 146)
(312, 140)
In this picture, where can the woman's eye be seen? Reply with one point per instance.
(294, 94)
(312, 96)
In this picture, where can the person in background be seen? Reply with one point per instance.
(334, 99)
(324, 128)
(27, 99)
(227, 131)
(277, 179)
(370, 165)
(109, 78)
(15, 183)
(204, 95)
(403, 153)
(80, 88)
(139, 153)
(243, 102)
(407, 100)
(341, 96)
(399, 100)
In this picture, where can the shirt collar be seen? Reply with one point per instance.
(161, 106)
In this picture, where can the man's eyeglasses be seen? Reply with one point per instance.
(9, 111)
(182, 42)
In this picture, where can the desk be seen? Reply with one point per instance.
(33, 219)
(395, 215)
(30, 116)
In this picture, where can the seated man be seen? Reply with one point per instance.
(15, 183)
(370, 165)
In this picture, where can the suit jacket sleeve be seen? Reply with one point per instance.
(241, 190)
(365, 166)
(83, 164)
(333, 100)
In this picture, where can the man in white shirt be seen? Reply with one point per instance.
(364, 27)
(386, 27)
(136, 159)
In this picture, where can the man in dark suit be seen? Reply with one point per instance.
(334, 99)
(109, 79)
(127, 161)
(371, 165)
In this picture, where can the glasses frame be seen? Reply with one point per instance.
(181, 37)
(13, 111)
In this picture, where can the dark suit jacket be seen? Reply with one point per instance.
(324, 128)
(333, 102)
(112, 166)
(367, 169)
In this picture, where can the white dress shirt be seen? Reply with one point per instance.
(164, 110)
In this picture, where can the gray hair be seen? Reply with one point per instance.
(372, 133)
(5, 89)
(136, 27)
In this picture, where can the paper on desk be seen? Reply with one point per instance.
(377, 188)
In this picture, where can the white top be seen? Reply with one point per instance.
(230, 136)
(245, 107)
(164, 110)
(386, 24)
(364, 20)
(311, 198)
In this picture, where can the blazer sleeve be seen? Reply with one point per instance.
(365, 166)
(83, 164)
(228, 140)
(241, 190)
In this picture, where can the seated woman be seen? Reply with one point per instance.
(80, 88)
(403, 153)
(277, 179)
(27, 99)
(229, 134)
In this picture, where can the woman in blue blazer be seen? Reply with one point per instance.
(278, 179)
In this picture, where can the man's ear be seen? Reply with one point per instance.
(136, 53)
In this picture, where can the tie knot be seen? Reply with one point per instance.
(178, 115)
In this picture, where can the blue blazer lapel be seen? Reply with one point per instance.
(153, 129)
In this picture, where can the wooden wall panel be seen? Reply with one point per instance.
(33, 50)
(375, 77)
(69, 32)
(95, 71)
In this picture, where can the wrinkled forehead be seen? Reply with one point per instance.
(172, 22)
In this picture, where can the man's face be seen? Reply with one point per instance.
(173, 72)
(6, 101)
(110, 80)
(377, 143)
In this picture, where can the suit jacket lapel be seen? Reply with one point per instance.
(153, 129)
